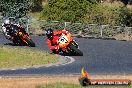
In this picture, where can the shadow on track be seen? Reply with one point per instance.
(12, 44)
(66, 54)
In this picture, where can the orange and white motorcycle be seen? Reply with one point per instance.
(68, 45)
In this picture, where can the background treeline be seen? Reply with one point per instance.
(88, 11)
(114, 12)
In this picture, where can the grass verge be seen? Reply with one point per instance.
(48, 81)
(66, 85)
(22, 57)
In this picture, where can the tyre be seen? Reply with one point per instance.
(30, 42)
(17, 41)
(75, 50)
(84, 81)
(55, 52)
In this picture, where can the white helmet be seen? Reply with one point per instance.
(6, 21)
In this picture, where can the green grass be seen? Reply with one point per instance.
(64, 85)
(19, 57)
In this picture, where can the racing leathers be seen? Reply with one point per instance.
(8, 31)
(52, 42)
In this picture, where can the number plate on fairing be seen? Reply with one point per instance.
(63, 39)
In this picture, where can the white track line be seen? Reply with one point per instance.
(61, 62)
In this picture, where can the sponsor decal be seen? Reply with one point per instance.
(85, 80)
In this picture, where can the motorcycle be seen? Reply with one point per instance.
(20, 37)
(68, 45)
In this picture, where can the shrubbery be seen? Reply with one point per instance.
(85, 11)
(125, 17)
(15, 8)
(100, 14)
(67, 10)
(82, 11)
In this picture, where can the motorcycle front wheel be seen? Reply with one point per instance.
(75, 50)
(30, 42)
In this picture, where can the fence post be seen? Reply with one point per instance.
(27, 25)
(1, 18)
(101, 31)
(65, 24)
(128, 32)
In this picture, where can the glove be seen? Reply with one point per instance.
(65, 32)
(57, 48)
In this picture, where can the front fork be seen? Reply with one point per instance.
(74, 44)
(68, 49)
(24, 37)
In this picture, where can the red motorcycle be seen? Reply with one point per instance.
(68, 45)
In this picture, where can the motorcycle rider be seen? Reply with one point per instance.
(7, 30)
(52, 37)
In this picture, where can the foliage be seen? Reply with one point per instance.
(125, 17)
(66, 10)
(84, 11)
(51, 24)
(37, 6)
(100, 14)
(17, 8)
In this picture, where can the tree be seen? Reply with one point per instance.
(37, 5)
(67, 10)
(125, 2)
(125, 17)
(17, 8)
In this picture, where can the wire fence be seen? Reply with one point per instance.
(85, 30)
(1, 24)
(89, 30)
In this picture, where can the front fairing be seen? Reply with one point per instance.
(64, 40)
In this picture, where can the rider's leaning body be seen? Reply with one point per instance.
(7, 30)
(52, 37)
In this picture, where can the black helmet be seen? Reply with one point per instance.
(49, 33)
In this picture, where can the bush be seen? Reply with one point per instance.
(88, 12)
(36, 6)
(125, 17)
(15, 7)
(66, 10)
(102, 14)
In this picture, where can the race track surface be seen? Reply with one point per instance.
(100, 57)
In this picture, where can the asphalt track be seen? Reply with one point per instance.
(100, 57)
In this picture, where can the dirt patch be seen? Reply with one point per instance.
(32, 81)
(123, 37)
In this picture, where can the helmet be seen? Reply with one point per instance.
(6, 21)
(49, 33)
